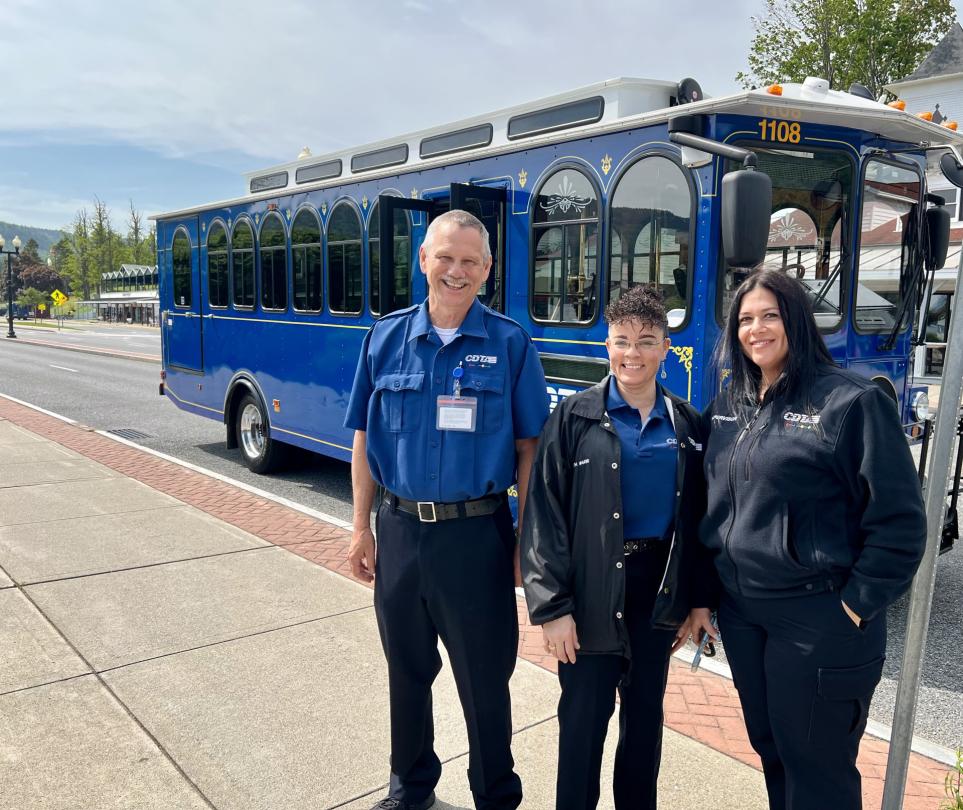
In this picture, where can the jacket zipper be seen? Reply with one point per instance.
(732, 489)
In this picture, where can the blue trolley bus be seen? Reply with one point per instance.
(265, 299)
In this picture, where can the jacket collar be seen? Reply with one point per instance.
(592, 402)
(473, 325)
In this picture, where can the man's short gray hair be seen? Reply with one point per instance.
(462, 219)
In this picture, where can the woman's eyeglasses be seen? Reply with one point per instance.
(647, 345)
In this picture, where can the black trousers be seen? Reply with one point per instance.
(805, 675)
(452, 579)
(588, 700)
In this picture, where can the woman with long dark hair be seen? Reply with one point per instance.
(816, 524)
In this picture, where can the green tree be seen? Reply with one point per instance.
(31, 298)
(31, 251)
(873, 42)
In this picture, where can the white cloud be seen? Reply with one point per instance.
(268, 78)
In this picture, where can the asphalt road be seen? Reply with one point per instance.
(110, 393)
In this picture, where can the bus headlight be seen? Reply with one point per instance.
(921, 406)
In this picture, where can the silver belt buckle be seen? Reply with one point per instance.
(421, 512)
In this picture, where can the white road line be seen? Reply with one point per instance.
(64, 368)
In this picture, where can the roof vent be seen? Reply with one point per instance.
(860, 90)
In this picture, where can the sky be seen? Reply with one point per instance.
(167, 104)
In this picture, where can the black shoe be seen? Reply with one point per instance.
(391, 803)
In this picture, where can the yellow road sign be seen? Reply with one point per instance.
(42, 307)
(59, 298)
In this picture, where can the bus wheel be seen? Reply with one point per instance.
(261, 453)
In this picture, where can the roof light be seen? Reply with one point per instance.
(950, 125)
(899, 104)
(774, 89)
(926, 116)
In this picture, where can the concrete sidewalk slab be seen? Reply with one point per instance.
(25, 474)
(33, 652)
(32, 451)
(11, 434)
(70, 745)
(685, 780)
(5, 581)
(119, 618)
(99, 544)
(296, 718)
(105, 496)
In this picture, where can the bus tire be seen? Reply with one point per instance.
(261, 453)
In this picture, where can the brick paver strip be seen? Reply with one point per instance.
(700, 705)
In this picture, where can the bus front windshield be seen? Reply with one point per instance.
(808, 227)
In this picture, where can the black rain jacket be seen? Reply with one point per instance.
(815, 496)
(572, 546)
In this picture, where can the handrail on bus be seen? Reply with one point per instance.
(683, 129)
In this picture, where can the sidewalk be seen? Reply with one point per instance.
(171, 641)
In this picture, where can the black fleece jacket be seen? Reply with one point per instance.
(814, 496)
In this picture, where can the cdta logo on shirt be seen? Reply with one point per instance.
(487, 359)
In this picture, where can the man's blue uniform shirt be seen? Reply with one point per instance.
(649, 456)
(403, 369)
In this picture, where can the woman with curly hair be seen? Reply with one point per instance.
(609, 548)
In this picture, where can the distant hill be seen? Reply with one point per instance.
(45, 236)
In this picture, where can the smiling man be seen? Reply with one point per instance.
(447, 404)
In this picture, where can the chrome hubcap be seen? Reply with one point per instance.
(252, 431)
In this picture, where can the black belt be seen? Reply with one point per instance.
(431, 512)
(644, 544)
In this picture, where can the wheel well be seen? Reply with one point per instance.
(234, 397)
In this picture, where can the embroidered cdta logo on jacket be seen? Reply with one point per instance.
(484, 359)
(800, 421)
(718, 417)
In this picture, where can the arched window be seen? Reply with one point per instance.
(242, 264)
(565, 224)
(344, 261)
(274, 264)
(649, 223)
(306, 257)
(217, 266)
(402, 273)
(181, 263)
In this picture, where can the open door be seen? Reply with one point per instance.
(488, 204)
(396, 274)
(183, 322)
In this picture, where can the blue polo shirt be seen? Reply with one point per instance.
(403, 369)
(649, 455)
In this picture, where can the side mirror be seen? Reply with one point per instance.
(951, 169)
(746, 208)
(938, 233)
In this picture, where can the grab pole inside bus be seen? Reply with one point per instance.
(921, 594)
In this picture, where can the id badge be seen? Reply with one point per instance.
(456, 413)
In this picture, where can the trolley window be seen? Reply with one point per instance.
(402, 273)
(306, 258)
(181, 261)
(649, 226)
(565, 226)
(888, 243)
(344, 261)
(217, 266)
(242, 264)
(274, 270)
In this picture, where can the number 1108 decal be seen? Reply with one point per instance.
(779, 131)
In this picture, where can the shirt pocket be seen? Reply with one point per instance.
(488, 387)
(399, 400)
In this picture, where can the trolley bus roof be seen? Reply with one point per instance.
(592, 110)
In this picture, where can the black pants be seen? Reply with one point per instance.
(805, 675)
(452, 579)
(588, 700)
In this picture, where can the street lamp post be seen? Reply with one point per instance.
(10, 253)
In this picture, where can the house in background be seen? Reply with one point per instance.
(936, 86)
